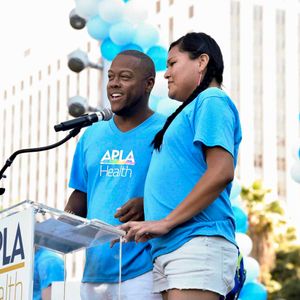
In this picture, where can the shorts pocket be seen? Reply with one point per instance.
(229, 265)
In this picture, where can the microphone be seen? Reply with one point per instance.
(85, 120)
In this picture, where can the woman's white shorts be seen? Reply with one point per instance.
(205, 262)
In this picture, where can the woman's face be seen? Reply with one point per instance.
(182, 73)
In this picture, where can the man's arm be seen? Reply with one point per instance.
(46, 293)
(77, 204)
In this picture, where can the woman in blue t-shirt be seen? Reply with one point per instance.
(189, 220)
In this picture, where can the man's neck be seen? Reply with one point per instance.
(126, 123)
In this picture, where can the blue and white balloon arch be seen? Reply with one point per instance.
(120, 25)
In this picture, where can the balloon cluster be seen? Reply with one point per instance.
(251, 289)
(120, 25)
(295, 170)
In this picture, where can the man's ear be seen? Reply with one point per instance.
(203, 60)
(149, 84)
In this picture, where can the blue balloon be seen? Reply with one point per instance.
(97, 28)
(253, 290)
(132, 47)
(122, 33)
(159, 56)
(109, 50)
(241, 219)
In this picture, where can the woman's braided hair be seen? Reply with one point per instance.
(195, 44)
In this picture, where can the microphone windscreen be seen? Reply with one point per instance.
(107, 114)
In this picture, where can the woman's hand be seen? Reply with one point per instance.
(144, 231)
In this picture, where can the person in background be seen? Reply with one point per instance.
(189, 220)
(108, 174)
(48, 267)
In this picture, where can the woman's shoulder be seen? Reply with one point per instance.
(215, 96)
(213, 92)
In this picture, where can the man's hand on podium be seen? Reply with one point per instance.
(132, 210)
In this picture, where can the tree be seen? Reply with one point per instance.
(273, 243)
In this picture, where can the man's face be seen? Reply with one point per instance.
(127, 85)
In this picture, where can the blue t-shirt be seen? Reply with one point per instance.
(212, 120)
(111, 166)
(48, 267)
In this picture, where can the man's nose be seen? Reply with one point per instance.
(114, 82)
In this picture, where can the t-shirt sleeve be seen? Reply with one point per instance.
(50, 269)
(78, 176)
(214, 124)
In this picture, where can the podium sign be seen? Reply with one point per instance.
(27, 224)
(16, 255)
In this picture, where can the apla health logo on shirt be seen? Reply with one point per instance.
(115, 163)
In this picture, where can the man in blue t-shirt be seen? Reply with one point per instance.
(48, 267)
(108, 174)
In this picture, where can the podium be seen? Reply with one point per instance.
(28, 225)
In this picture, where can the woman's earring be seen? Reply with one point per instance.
(200, 77)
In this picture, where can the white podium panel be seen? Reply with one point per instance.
(16, 250)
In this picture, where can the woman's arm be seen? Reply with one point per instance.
(220, 171)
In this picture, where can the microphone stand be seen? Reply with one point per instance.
(8, 163)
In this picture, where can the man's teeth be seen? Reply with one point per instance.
(116, 95)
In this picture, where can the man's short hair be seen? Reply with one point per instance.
(147, 63)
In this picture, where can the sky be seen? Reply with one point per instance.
(39, 24)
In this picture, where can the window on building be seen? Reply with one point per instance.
(27, 52)
(158, 6)
(299, 70)
(280, 100)
(258, 89)
(235, 52)
(171, 29)
(191, 11)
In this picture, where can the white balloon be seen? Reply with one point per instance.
(147, 35)
(160, 88)
(252, 267)
(244, 242)
(86, 8)
(237, 201)
(136, 11)
(167, 106)
(111, 11)
(295, 171)
(236, 188)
